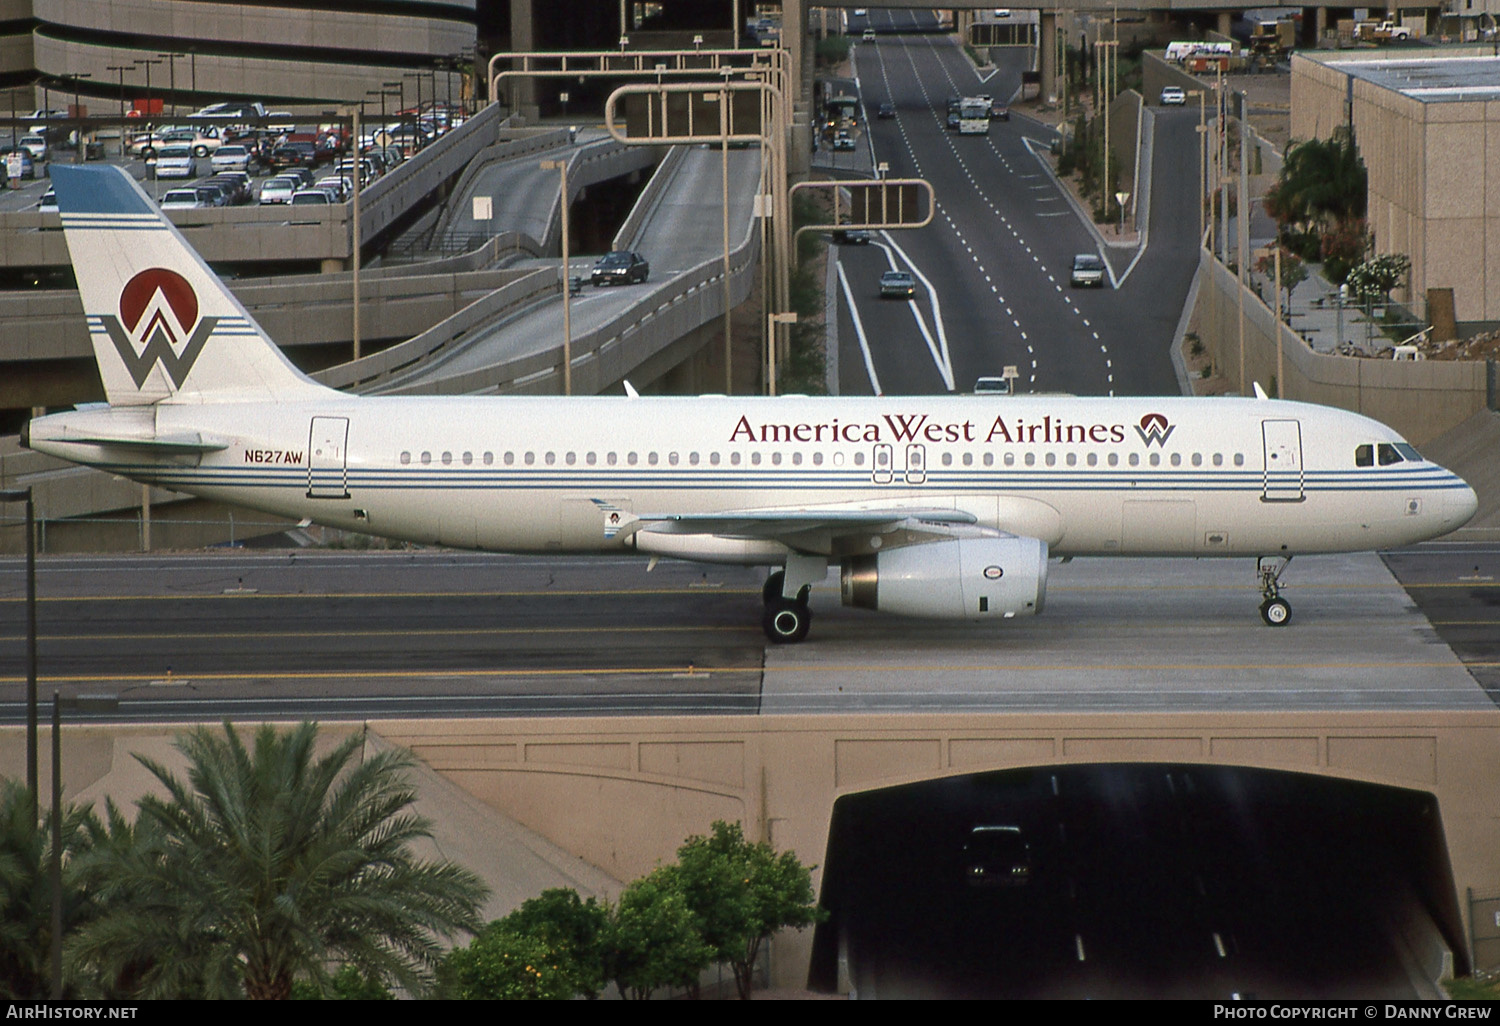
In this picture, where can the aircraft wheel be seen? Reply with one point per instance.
(786, 622)
(1277, 612)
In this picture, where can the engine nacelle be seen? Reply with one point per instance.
(962, 579)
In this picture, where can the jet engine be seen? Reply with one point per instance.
(959, 579)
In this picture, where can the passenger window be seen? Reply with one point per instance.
(1364, 455)
(489, 458)
(1239, 459)
(776, 459)
(590, 459)
(570, 459)
(510, 458)
(1052, 459)
(447, 458)
(551, 458)
(1197, 459)
(734, 459)
(693, 459)
(1218, 459)
(612, 459)
(651, 458)
(713, 459)
(859, 459)
(1177, 459)
(631, 458)
(755, 459)
(817, 459)
(426, 457)
(468, 458)
(1072, 459)
(968, 459)
(1114, 459)
(1156, 459)
(406, 457)
(989, 459)
(1010, 459)
(796, 459)
(1031, 459)
(672, 458)
(947, 459)
(1093, 459)
(1135, 459)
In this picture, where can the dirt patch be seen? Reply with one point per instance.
(1484, 346)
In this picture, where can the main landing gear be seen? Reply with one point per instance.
(1275, 610)
(787, 617)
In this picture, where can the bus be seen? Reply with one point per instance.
(973, 116)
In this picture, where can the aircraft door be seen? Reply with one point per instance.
(1283, 451)
(327, 458)
(916, 463)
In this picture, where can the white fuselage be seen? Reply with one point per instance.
(1089, 476)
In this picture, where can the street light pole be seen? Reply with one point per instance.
(561, 167)
(25, 495)
(81, 154)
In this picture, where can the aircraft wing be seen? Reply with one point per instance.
(781, 523)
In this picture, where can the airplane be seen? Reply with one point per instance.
(934, 506)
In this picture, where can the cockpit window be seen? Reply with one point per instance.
(1409, 452)
(1387, 454)
(1364, 455)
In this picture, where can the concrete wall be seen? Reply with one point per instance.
(621, 793)
(1420, 399)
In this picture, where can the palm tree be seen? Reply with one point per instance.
(1321, 180)
(270, 865)
(26, 889)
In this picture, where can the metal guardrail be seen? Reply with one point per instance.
(361, 374)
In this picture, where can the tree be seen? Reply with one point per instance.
(1375, 278)
(26, 890)
(653, 938)
(269, 865)
(1293, 272)
(574, 929)
(742, 893)
(502, 965)
(1321, 180)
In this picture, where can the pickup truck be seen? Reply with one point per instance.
(1384, 32)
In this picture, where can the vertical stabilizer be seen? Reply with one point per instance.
(163, 325)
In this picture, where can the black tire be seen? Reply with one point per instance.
(786, 623)
(771, 591)
(1276, 612)
(200, 151)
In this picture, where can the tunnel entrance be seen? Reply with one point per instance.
(1132, 881)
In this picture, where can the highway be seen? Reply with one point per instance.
(1005, 233)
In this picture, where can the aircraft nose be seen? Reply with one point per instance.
(1462, 505)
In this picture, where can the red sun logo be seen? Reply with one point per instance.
(138, 295)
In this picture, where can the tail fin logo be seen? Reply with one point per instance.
(159, 323)
(1154, 430)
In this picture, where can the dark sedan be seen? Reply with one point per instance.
(621, 267)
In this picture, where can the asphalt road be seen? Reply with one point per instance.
(993, 267)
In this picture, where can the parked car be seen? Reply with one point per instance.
(175, 161)
(19, 162)
(898, 285)
(1088, 270)
(233, 157)
(48, 203)
(621, 267)
(185, 199)
(1173, 96)
(280, 189)
(991, 386)
(312, 198)
(37, 145)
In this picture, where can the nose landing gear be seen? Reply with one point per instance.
(1274, 610)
